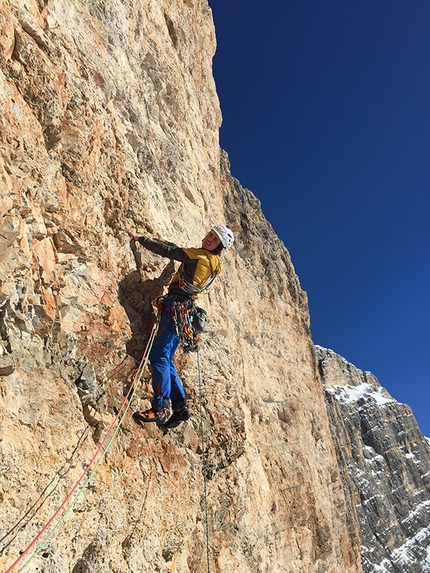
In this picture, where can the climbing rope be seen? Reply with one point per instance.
(102, 450)
(46, 493)
(205, 489)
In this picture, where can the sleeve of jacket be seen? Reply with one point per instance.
(170, 251)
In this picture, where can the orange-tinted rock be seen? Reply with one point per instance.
(109, 121)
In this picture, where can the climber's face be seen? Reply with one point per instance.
(211, 241)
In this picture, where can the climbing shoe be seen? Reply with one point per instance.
(151, 415)
(177, 418)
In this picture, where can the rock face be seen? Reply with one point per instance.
(385, 463)
(109, 121)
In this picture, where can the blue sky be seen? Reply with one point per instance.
(326, 119)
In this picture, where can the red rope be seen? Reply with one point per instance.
(136, 377)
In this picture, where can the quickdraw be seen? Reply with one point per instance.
(182, 316)
(189, 320)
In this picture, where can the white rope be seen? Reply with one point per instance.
(205, 492)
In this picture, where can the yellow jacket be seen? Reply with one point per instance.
(198, 266)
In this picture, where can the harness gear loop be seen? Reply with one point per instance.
(188, 338)
(189, 321)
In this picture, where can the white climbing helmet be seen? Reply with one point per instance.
(225, 234)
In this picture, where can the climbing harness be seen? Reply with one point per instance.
(190, 321)
(183, 326)
(204, 470)
(94, 463)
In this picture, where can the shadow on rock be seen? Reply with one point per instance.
(138, 296)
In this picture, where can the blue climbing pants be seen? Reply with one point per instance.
(165, 380)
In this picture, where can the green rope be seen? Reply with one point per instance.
(205, 489)
(103, 454)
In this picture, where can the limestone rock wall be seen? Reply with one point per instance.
(109, 121)
(385, 463)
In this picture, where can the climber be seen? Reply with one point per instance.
(198, 269)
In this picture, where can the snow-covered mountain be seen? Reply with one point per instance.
(385, 463)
